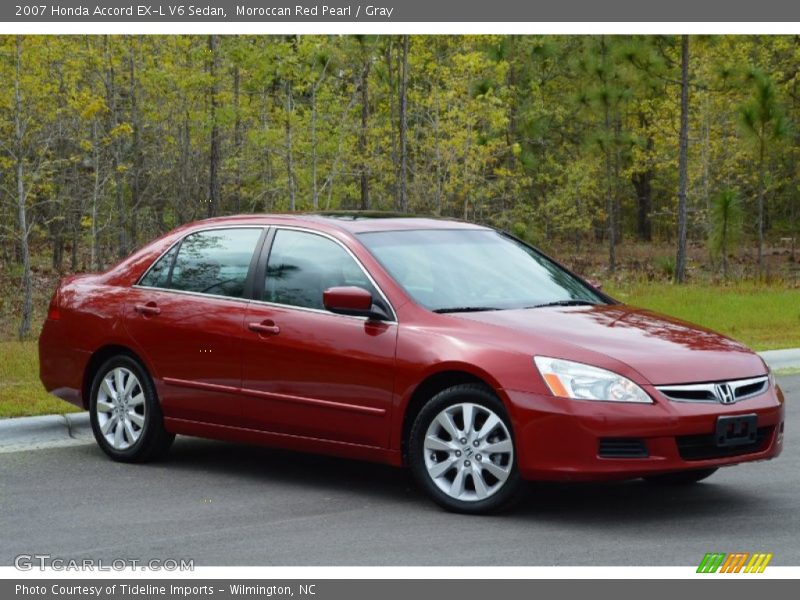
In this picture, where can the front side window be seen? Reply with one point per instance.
(303, 265)
(208, 262)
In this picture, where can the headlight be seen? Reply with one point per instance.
(569, 379)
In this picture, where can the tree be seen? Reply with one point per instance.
(365, 51)
(606, 92)
(214, 154)
(21, 151)
(764, 122)
(683, 159)
(726, 224)
(403, 129)
(578, 140)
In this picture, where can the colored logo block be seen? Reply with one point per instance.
(736, 562)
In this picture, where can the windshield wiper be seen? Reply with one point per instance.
(455, 309)
(564, 303)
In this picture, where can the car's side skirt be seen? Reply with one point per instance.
(282, 440)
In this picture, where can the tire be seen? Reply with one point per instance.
(681, 477)
(130, 430)
(475, 482)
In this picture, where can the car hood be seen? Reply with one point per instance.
(661, 349)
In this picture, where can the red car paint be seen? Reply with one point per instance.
(251, 371)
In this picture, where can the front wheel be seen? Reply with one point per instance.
(681, 477)
(461, 450)
(125, 412)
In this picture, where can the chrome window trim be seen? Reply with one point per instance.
(137, 285)
(190, 293)
(711, 389)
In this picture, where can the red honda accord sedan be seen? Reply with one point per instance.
(451, 348)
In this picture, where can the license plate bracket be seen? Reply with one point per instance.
(736, 430)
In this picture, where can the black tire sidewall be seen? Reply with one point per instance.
(152, 421)
(456, 395)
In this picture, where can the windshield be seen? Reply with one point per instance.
(455, 270)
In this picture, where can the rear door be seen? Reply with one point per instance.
(187, 315)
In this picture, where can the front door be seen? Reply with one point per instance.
(307, 371)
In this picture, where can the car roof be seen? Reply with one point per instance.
(351, 221)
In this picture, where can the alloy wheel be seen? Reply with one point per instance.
(121, 408)
(468, 451)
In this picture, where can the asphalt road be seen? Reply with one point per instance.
(227, 504)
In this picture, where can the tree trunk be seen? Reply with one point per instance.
(19, 134)
(761, 181)
(136, 149)
(610, 204)
(793, 198)
(73, 251)
(185, 190)
(237, 139)
(362, 141)
(214, 158)
(290, 148)
(94, 256)
(116, 151)
(314, 158)
(403, 109)
(314, 153)
(724, 247)
(643, 184)
(683, 175)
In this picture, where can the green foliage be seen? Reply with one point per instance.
(726, 219)
(666, 266)
(762, 117)
(21, 392)
(761, 316)
(557, 137)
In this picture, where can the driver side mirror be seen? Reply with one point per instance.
(354, 301)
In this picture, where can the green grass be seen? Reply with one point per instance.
(21, 392)
(762, 317)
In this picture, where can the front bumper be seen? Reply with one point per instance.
(559, 439)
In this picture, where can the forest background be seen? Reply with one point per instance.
(665, 167)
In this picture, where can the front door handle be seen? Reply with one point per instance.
(148, 310)
(267, 327)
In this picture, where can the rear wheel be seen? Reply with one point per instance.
(680, 477)
(461, 450)
(125, 413)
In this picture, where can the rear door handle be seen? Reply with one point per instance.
(149, 310)
(265, 328)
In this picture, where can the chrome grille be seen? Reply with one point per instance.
(725, 392)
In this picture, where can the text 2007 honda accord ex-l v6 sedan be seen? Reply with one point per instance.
(451, 348)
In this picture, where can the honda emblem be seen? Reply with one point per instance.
(724, 393)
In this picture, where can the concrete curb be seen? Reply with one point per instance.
(48, 431)
(782, 359)
(53, 431)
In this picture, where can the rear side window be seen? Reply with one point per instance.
(208, 262)
(303, 265)
(158, 275)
